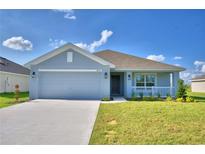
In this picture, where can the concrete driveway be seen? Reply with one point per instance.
(48, 122)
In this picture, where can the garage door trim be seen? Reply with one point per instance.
(70, 70)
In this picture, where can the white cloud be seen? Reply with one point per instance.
(203, 69)
(159, 58)
(192, 73)
(18, 43)
(188, 75)
(177, 58)
(177, 64)
(68, 13)
(199, 66)
(105, 34)
(199, 63)
(56, 43)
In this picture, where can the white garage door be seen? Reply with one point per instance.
(67, 85)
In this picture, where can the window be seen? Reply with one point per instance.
(69, 57)
(150, 80)
(145, 80)
(140, 80)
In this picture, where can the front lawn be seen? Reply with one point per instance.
(7, 99)
(197, 96)
(150, 123)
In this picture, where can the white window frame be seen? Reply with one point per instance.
(69, 57)
(145, 82)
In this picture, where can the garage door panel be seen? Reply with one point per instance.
(69, 85)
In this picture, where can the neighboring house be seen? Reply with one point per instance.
(198, 84)
(12, 74)
(70, 72)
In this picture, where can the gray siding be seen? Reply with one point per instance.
(94, 80)
(163, 79)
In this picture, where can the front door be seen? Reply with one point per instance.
(115, 84)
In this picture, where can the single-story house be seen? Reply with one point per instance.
(198, 84)
(11, 74)
(70, 72)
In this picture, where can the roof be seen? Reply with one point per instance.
(11, 67)
(199, 78)
(124, 61)
(63, 49)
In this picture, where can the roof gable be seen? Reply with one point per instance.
(63, 49)
(129, 62)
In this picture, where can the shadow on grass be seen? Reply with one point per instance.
(12, 95)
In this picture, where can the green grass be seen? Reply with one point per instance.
(7, 99)
(150, 123)
(200, 97)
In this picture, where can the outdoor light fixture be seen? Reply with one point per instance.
(129, 77)
(33, 74)
(105, 75)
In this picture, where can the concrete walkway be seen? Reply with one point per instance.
(48, 122)
(116, 100)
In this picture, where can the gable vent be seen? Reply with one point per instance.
(69, 57)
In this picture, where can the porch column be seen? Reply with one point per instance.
(128, 84)
(171, 84)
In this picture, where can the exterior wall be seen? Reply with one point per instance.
(9, 80)
(162, 80)
(198, 86)
(128, 84)
(175, 82)
(60, 62)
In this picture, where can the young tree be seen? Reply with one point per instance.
(181, 91)
(17, 92)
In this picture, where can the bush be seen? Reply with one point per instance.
(180, 99)
(133, 97)
(169, 98)
(158, 95)
(105, 99)
(189, 99)
(141, 95)
(181, 91)
(168, 95)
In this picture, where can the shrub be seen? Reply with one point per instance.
(181, 91)
(169, 98)
(168, 95)
(17, 92)
(141, 95)
(158, 95)
(133, 97)
(105, 99)
(150, 98)
(189, 99)
(180, 99)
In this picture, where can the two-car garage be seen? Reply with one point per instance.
(69, 85)
(69, 72)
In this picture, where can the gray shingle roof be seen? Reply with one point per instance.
(125, 61)
(9, 66)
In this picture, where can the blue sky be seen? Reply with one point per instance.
(160, 35)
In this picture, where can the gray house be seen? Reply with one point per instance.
(70, 72)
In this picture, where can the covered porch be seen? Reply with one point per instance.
(131, 83)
